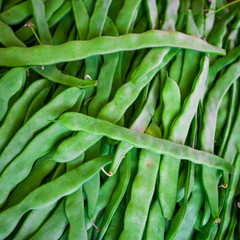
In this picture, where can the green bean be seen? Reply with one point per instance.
(10, 84)
(139, 124)
(209, 21)
(78, 121)
(41, 21)
(61, 33)
(89, 4)
(65, 235)
(52, 192)
(33, 222)
(81, 18)
(125, 16)
(38, 147)
(197, 7)
(24, 33)
(105, 77)
(53, 74)
(68, 150)
(8, 37)
(17, 13)
(220, 63)
(156, 222)
(152, 12)
(219, 29)
(54, 227)
(60, 13)
(10, 4)
(233, 223)
(36, 104)
(40, 170)
(39, 120)
(184, 6)
(209, 231)
(105, 194)
(171, 15)
(137, 209)
(190, 62)
(176, 67)
(169, 167)
(208, 131)
(16, 114)
(226, 215)
(133, 172)
(52, 6)
(171, 104)
(117, 196)
(91, 187)
(116, 225)
(222, 115)
(15, 56)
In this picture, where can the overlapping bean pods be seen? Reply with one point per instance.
(119, 119)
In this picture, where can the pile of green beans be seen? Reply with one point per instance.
(119, 119)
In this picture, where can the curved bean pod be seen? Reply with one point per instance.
(53, 74)
(16, 114)
(39, 120)
(76, 50)
(207, 133)
(21, 166)
(140, 124)
(78, 121)
(113, 111)
(8, 37)
(17, 13)
(54, 226)
(10, 83)
(53, 191)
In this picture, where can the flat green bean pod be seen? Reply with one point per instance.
(76, 50)
(10, 83)
(52, 192)
(78, 121)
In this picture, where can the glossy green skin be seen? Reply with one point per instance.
(17, 13)
(136, 213)
(220, 63)
(77, 50)
(156, 222)
(126, 16)
(41, 21)
(169, 167)
(10, 84)
(15, 116)
(208, 131)
(38, 121)
(43, 166)
(140, 124)
(227, 215)
(25, 33)
(74, 207)
(22, 164)
(60, 13)
(36, 104)
(52, 192)
(54, 226)
(33, 222)
(8, 37)
(171, 15)
(81, 18)
(117, 196)
(78, 121)
(113, 111)
(171, 104)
